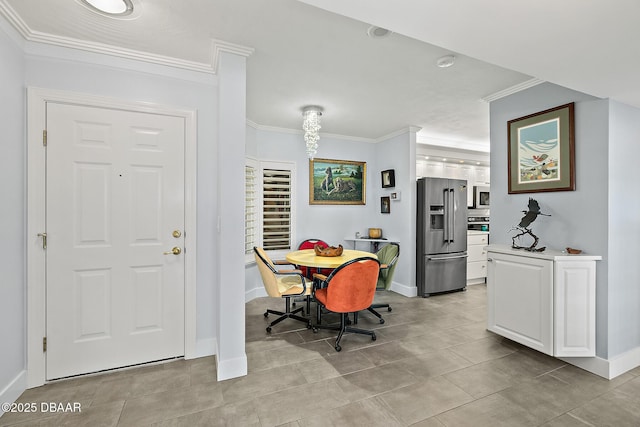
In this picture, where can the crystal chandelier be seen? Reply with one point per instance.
(311, 127)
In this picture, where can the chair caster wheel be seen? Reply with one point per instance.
(308, 325)
(269, 330)
(266, 315)
(338, 348)
(389, 309)
(381, 321)
(373, 337)
(293, 304)
(315, 330)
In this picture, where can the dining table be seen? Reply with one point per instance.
(308, 258)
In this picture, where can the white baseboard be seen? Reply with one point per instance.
(624, 362)
(607, 368)
(14, 389)
(232, 368)
(206, 347)
(407, 291)
(254, 293)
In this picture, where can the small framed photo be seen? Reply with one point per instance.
(388, 178)
(385, 205)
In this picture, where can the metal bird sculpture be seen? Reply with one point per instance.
(523, 227)
(531, 214)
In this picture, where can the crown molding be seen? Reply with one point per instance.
(258, 126)
(221, 46)
(513, 89)
(218, 46)
(402, 131)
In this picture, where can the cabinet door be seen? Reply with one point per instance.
(520, 299)
(575, 309)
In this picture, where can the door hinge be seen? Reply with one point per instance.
(44, 344)
(44, 137)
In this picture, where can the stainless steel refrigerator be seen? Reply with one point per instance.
(441, 243)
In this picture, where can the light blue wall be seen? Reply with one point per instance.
(600, 217)
(12, 214)
(624, 228)
(334, 223)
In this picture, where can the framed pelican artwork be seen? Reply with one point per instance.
(541, 151)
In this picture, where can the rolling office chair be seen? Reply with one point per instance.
(388, 257)
(285, 284)
(308, 272)
(348, 289)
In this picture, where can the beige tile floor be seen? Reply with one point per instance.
(433, 365)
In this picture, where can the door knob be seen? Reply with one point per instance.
(174, 251)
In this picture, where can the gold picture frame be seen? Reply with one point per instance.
(337, 182)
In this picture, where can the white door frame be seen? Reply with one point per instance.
(36, 221)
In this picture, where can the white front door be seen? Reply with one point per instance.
(114, 210)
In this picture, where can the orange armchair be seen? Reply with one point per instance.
(348, 289)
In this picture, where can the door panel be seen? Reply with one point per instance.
(115, 193)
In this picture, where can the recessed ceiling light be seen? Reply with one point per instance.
(426, 157)
(444, 160)
(377, 32)
(446, 61)
(110, 7)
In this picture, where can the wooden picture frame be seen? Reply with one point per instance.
(385, 205)
(388, 178)
(337, 182)
(541, 151)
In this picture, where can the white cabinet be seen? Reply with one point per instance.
(474, 175)
(477, 242)
(545, 301)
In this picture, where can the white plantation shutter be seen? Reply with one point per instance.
(250, 208)
(276, 208)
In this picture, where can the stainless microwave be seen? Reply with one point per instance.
(481, 196)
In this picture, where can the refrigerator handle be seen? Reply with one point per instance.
(446, 215)
(452, 200)
(448, 257)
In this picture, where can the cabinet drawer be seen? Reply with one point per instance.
(476, 253)
(478, 239)
(476, 270)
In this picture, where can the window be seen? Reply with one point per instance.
(250, 206)
(276, 209)
(269, 206)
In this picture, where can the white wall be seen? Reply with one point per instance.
(600, 217)
(231, 359)
(27, 64)
(624, 229)
(398, 153)
(73, 71)
(334, 223)
(12, 215)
